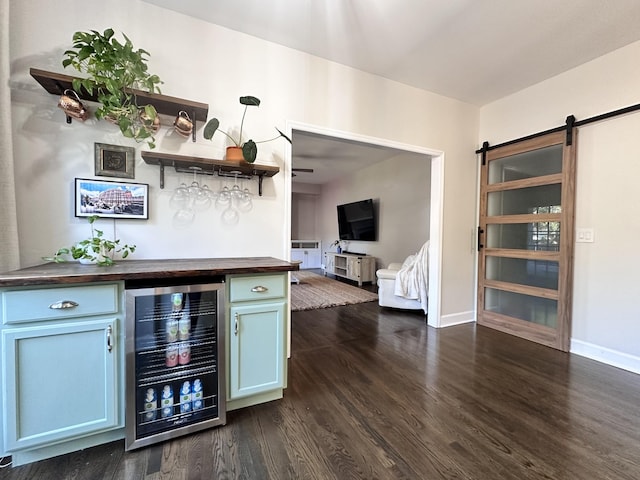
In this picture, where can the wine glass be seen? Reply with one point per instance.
(230, 216)
(236, 192)
(180, 197)
(194, 188)
(224, 197)
(245, 202)
(184, 217)
(202, 199)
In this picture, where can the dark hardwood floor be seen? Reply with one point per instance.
(376, 394)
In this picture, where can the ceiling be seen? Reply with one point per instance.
(476, 51)
(332, 158)
(473, 50)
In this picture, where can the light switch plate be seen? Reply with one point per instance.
(584, 235)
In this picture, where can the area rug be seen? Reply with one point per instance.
(316, 291)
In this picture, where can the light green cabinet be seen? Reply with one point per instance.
(60, 382)
(62, 356)
(256, 333)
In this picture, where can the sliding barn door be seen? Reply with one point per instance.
(526, 239)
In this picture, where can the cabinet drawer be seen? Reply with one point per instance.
(29, 305)
(257, 287)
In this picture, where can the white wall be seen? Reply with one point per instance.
(304, 216)
(400, 189)
(210, 64)
(304, 211)
(605, 318)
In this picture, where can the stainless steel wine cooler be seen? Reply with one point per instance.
(174, 361)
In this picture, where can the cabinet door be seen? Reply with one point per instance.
(353, 268)
(256, 348)
(60, 382)
(314, 259)
(298, 255)
(329, 263)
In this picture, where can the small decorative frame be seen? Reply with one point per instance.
(111, 199)
(114, 161)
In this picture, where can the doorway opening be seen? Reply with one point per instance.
(435, 182)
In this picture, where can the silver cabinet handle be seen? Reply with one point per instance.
(109, 332)
(259, 289)
(235, 327)
(62, 304)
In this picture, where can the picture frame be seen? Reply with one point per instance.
(114, 161)
(110, 199)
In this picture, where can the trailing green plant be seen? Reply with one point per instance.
(114, 69)
(249, 148)
(95, 249)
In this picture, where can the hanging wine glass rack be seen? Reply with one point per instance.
(209, 166)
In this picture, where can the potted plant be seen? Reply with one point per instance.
(248, 148)
(95, 249)
(114, 69)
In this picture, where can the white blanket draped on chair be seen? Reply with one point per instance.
(412, 280)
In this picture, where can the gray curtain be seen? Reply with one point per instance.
(9, 250)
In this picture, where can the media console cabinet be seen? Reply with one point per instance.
(359, 268)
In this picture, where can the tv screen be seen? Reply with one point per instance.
(356, 221)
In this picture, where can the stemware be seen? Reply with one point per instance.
(245, 202)
(184, 217)
(194, 188)
(180, 197)
(235, 190)
(230, 216)
(196, 197)
(224, 197)
(187, 200)
(202, 199)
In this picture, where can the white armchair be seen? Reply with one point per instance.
(388, 290)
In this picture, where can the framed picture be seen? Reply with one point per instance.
(111, 199)
(114, 161)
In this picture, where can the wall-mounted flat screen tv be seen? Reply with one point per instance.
(357, 221)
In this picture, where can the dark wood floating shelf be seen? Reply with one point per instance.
(209, 166)
(57, 83)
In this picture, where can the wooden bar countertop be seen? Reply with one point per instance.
(189, 268)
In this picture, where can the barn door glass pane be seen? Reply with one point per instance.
(535, 163)
(541, 236)
(531, 200)
(533, 273)
(541, 311)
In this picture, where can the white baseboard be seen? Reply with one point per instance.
(598, 353)
(457, 319)
(606, 355)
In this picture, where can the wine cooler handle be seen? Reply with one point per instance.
(109, 344)
(62, 304)
(235, 327)
(259, 289)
